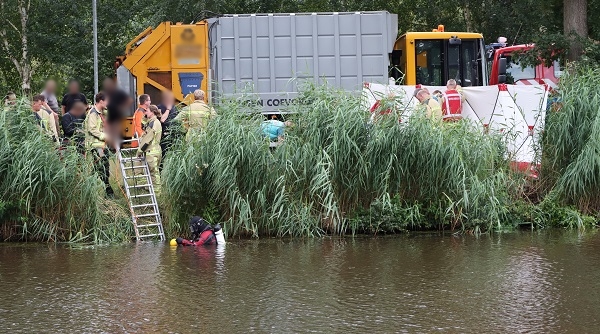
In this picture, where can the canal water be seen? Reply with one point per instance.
(540, 282)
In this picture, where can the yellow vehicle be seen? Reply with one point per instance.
(169, 57)
(432, 58)
(234, 53)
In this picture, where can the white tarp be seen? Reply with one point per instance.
(518, 112)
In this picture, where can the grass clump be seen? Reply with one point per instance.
(571, 142)
(50, 195)
(336, 173)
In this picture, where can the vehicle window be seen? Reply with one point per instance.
(557, 69)
(516, 72)
(488, 68)
(454, 62)
(469, 64)
(429, 62)
(437, 61)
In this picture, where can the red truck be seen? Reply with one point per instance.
(503, 69)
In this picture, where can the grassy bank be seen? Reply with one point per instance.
(46, 195)
(335, 174)
(571, 143)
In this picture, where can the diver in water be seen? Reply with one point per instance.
(202, 233)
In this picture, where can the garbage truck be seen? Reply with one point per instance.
(266, 58)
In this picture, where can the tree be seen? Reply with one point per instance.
(575, 25)
(53, 38)
(14, 41)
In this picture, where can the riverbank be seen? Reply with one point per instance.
(333, 175)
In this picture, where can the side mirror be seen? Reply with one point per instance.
(501, 66)
(489, 53)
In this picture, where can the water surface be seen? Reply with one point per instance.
(540, 282)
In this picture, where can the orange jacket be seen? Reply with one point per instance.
(138, 116)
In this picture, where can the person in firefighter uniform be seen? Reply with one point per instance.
(427, 105)
(150, 145)
(452, 102)
(195, 117)
(96, 139)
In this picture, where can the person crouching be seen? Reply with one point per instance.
(202, 233)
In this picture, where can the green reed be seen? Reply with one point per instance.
(335, 173)
(571, 143)
(51, 195)
(335, 170)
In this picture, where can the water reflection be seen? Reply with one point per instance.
(526, 292)
(495, 284)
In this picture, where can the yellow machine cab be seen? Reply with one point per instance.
(432, 58)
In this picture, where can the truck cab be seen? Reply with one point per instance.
(432, 58)
(504, 68)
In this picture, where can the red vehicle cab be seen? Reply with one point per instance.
(503, 69)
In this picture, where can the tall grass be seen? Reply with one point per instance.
(335, 173)
(50, 195)
(571, 143)
(331, 170)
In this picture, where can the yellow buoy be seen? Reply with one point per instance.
(173, 242)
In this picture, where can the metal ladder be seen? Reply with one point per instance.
(140, 194)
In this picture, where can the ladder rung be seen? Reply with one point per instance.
(129, 160)
(136, 176)
(150, 235)
(147, 193)
(142, 205)
(147, 215)
(138, 186)
(134, 167)
(148, 225)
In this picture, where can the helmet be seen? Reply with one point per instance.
(197, 226)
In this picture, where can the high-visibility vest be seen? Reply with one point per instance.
(452, 106)
(138, 122)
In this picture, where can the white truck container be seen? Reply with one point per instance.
(266, 57)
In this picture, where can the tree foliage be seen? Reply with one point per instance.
(59, 32)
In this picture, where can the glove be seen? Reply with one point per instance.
(140, 153)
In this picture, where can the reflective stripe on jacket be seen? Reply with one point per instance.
(452, 106)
